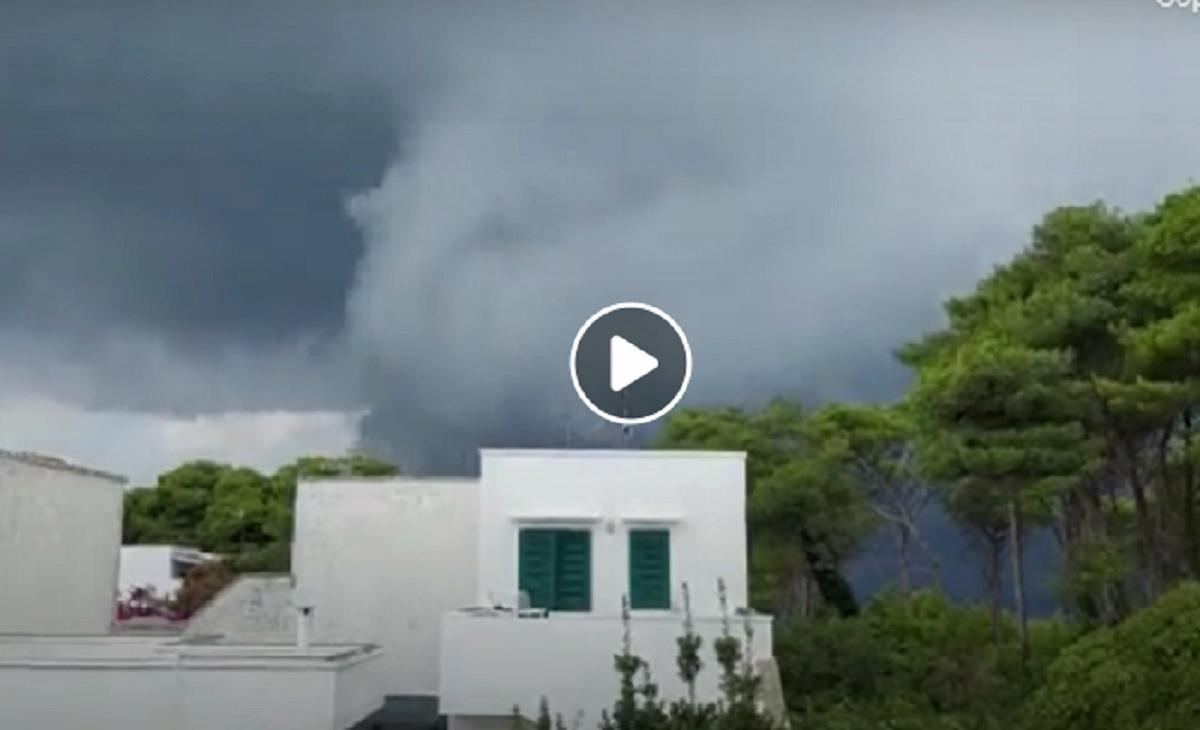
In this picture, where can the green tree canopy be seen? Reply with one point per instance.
(807, 514)
(1140, 675)
(235, 511)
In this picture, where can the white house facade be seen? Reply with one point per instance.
(60, 667)
(147, 683)
(382, 561)
(494, 592)
(60, 532)
(409, 597)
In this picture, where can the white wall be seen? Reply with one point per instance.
(254, 609)
(491, 663)
(384, 560)
(146, 565)
(381, 561)
(60, 539)
(147, 686)
(699, 496)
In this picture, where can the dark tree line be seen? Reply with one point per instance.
(1061, 394)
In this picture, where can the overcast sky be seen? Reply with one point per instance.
(252, 230)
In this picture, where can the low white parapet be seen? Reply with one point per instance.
(155, 684)
(491, 663)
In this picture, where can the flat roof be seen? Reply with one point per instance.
(505, 453)
(148, 651)
(53, 462)
(431, 478)
(616, 453)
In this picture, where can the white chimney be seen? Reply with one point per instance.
(303, 626)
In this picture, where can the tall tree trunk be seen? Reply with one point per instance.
(1094, 528)
(787, 600)
(995, 549)
(902, 558)
(935, 565)
(1073, 530)
(1148, 538)
(835, 589)
(807, 597)
(1016, 548)
(798, 588)
(1190, 539)
(1118, 592)
(1165, 502)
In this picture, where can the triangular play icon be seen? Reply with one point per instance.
(628, 363)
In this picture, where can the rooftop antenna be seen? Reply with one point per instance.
(626, 429)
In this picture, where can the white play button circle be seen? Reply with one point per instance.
(630, 363)
(627, 363)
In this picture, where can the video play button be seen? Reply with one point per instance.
(627, 363)
(630, 363)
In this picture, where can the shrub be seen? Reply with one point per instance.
(1143, 674)
(638, 706)
(201, 584)
(916, 661)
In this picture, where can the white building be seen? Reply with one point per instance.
(60, 538)
(60, 532)
(431, 570)
(160, 567)
(464, 596)
(142, 683)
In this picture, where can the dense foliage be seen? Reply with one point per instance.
(915, 662)
(1143, 674)
(234, 511)
(1062, 395)
(818, 483)
(201, 585)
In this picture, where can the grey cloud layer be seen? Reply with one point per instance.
(799, 187)
(180, 173)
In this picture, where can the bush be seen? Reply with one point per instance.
(915, 661)
(273, 557)
(201, 584)
(1143, 674)
(638, 706)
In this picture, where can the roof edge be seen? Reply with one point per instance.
(617, 453)
(54, 462)
(386, 479)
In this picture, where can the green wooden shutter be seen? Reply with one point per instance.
(535, 566)
(573, 571)
(650, 569)
(554, 567)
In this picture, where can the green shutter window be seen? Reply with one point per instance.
(536, 566)
(650, 569)
(573, 571)
(554, 568)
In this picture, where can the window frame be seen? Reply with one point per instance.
(555, 531)
(667, 533)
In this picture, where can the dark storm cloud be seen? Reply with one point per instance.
(413, 206)
(799, 187)
(152, 184)
(172, 234)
